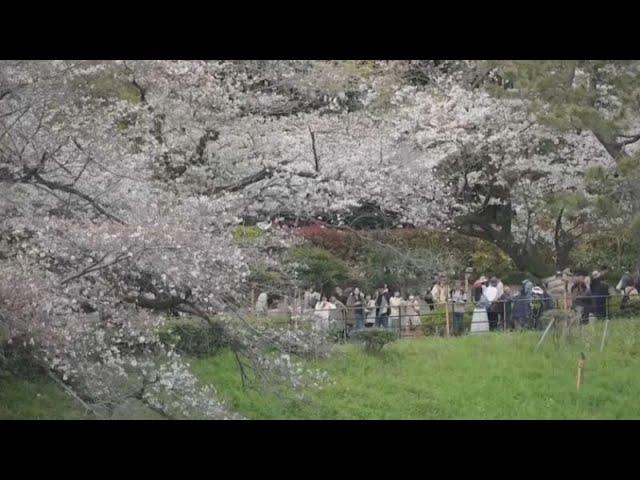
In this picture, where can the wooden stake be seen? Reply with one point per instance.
(545, 333)
(604, 335)
(580, 378)
(446, 312)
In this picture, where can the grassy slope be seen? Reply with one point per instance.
(35, 400)
(41, 399)
(496, 376)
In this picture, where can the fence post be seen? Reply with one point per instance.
(446, 310)
(580, 376)
(604, 334)
(504, 315)
(344, 330)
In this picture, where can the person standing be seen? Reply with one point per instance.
(500, 287)
(370, 319)
(521, 312)
(480, 321)
(556, 286)
(505, 304)
(599, 296)
(322, 313)
(355, 304)
(491, 292)
(459, 300)
(581, 299)
(414, 312)
(382, 304)
(395, 303)
(428, 298)
(439, 292)
(338, 316)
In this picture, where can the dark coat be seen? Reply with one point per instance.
(599, 298)
(521, 309)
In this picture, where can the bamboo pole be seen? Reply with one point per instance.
(604, 335)
(545, 333)
(580, 376)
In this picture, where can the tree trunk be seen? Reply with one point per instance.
(493, 224)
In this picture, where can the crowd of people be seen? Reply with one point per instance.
(499, 306)
(357, 310)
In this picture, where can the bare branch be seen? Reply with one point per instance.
(32, 174)
(629, 139)
(94, 268)
(313, 147)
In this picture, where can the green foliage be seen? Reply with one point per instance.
(434, 323)
(193, 337)
(565, 94)
(246, 234)
(620, 307)
(274, 282)
(408, 259)
(374, 339)
(36, 398)
(619, 249)
(318, 268)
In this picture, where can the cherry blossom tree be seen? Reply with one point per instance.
(122, 183)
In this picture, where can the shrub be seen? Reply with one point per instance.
(193, 338)
(374, 339)
(243, 234)
(318, 267)
(435, 323)
(343, 244)
(628, 308)
(271, 281)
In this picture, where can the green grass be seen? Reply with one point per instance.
(35, 399)
(494, 376)
(38, 398)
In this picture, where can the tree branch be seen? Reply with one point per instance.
(630, 139)
(313, 147)
(72, 393)
(244, 182)
(94, 268)
(33, 174)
